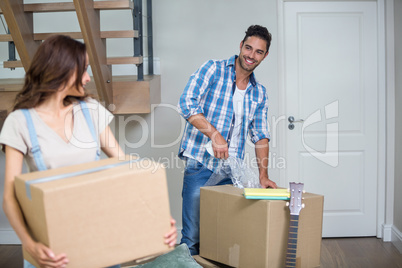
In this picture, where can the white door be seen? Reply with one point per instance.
(330, 79)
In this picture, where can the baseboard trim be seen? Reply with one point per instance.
(397, 238)
(8, 237)
(387, 232)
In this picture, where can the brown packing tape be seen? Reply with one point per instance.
(72, 174)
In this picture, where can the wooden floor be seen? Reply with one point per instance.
(335, 253)
(359, 252)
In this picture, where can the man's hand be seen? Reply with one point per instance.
(220, 146)
(267, 183)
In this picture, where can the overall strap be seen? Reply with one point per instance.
(85, 111)
(37, 154)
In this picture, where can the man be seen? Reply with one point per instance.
(222, 103)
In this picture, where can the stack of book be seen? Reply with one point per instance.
(270, 194)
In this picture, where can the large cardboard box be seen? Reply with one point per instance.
(101, 213)
(253, 233)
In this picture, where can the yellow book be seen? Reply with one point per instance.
(260, 193)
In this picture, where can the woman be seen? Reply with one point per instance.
(53, 96)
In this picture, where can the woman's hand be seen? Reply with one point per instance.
(45, 257)
(171, 236)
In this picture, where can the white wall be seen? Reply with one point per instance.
(186, 34)
(398, 126)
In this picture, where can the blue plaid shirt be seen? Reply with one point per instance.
(209, 91)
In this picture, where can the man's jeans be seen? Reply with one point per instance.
(195, 176)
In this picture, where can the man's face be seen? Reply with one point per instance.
(252, 52)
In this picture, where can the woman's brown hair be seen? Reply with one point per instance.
(53, 64)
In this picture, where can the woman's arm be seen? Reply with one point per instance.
(42, 254)
(109, 144)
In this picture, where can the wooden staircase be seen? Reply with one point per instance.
(120, 94)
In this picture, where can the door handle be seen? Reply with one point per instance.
(292, 120)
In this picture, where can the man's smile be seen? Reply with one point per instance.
(249, 61)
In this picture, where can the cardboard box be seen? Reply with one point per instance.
(253, 233)
(98, 217)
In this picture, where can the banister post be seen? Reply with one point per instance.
(138, 45)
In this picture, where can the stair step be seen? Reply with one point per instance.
(49, 7)
(112, 5)
(120, 34)
(69, 6)
(110, 61)
(5, 38)
(12, 64)
(124, 60)
(11, 85)
(15, 85)
(103, 34)
(77, 35)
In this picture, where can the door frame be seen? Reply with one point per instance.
(386, 110)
